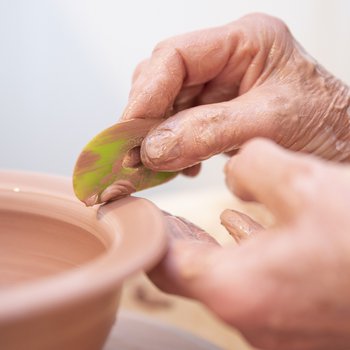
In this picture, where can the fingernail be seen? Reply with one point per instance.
(235, 224)
(160, 147)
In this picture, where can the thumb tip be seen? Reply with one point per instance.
(160, 151)
(150, 158)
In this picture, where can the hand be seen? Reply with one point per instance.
(287, 287)
(228, 84)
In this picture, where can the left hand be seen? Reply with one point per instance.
(223, 86)
(287, 287)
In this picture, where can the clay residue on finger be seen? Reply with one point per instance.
(239, 225)
(133, 158)
(180, 228)
(117, 190)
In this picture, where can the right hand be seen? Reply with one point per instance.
(285, 287)
(228, 84)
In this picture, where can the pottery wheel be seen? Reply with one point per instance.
(137, 332)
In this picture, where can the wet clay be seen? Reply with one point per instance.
(34, 246)
(62, 265)
(180, 228)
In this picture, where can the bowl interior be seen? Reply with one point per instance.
(33, 246)
(60, 252)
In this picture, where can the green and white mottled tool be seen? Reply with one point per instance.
(110, 167)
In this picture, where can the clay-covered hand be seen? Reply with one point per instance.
(228, 84)
(285, 287)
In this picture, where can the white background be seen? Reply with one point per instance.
(65, 66)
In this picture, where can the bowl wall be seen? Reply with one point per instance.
(62, 265)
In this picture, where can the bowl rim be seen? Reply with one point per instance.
(99, 275)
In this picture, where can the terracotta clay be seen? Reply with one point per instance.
(62, 265)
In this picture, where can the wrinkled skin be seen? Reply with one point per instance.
(229, 84)
(286, 287)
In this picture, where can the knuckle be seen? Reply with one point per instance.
(167, 45)
(301, 170)
(253, 16)
(278, 24)
(164, 44)
(302, 179)
(266, 20)
(168, 53)
(141, 65)
(139, 68)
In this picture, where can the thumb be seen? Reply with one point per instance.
(195, 266)
(198, 133)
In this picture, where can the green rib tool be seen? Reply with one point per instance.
(111, 160)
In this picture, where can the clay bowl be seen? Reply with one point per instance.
(62, 264)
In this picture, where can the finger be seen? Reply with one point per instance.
(167, 275)
(185, 267)
(231, 58)
(187, 60)
(139, 68)
(187, 97)
(221, 278)
(193, 170)
(155, 89)
(239, 225)
(198, 133)
(284, 181)
(232, 153)
(226, 85)
(180, 228)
